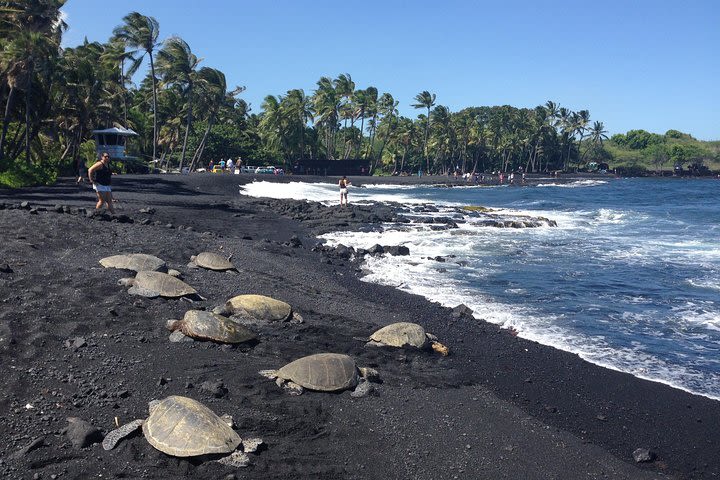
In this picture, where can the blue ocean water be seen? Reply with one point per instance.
(629, 279)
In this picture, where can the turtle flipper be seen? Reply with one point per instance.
(293, 388)
(236, 459)
(114, 437)
(251, 445)
(271, 374)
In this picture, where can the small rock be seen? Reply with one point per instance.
(80, 433)
(25, 204)
(376, 249)
(5, 268)
(75, 343)
(462, 310)
(162, 381)
(397, 250)
(216, 388)
(295, 242)
(642, 455)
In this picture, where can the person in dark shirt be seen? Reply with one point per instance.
(344, 183)
(100, 176)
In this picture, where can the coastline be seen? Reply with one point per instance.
(498, 407)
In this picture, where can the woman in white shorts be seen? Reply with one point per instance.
(100, 176)
(344, 183)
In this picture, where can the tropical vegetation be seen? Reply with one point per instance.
(186, 114)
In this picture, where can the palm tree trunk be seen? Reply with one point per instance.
(201, 147)
(187, 127)
(155, 112)
(27, 122)
(122, 90)
(387, 137)
(402, 160)
(427, 129)
(6, 120)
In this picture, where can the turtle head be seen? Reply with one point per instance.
(172, 325)
(126, 282)
(440, 348)
(193, 258)
(174, 273)
(224, 310)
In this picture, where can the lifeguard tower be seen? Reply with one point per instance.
(112, 140)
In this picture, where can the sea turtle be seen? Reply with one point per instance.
(136, 262)
(406, 334)
(323, 372)
(157, 284)
(212, 261)
(210, 326)
(183, 427)
(258, 307)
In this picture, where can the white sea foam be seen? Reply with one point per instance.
(575, 184)
(326, 193)
(710, 283)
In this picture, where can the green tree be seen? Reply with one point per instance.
(140, 34)
(425, 100)
(177, 65)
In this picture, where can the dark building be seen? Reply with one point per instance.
(331, 167)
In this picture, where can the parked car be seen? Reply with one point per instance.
(268, 169)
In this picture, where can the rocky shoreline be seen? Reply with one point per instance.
(75, 345)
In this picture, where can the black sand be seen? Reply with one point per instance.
(497, 407)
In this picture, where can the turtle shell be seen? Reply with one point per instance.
(161, 284)
(136, 262)
(183, 427)
(401, 334)
(325, 372)
(260, 307)
(213, 261)
(211, 326)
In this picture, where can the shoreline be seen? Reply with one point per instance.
(496, 393)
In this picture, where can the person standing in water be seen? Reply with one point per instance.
(344, 183)
(100, 177)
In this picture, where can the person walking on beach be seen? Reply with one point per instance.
(100, 177)
(344, 183)
(82, 170)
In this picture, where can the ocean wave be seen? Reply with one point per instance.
(575, 184)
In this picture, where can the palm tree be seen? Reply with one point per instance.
(326, 103)
(31, 31)
(387, 107)
(140, 33)
(213, 96)
(177, 65)
(298, 112)
(426, 100)
(596, 137)
(115, 56)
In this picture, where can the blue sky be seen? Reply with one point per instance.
(632, 63)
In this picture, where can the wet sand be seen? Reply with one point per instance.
(73, 343)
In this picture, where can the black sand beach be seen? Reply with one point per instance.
(73, 343)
